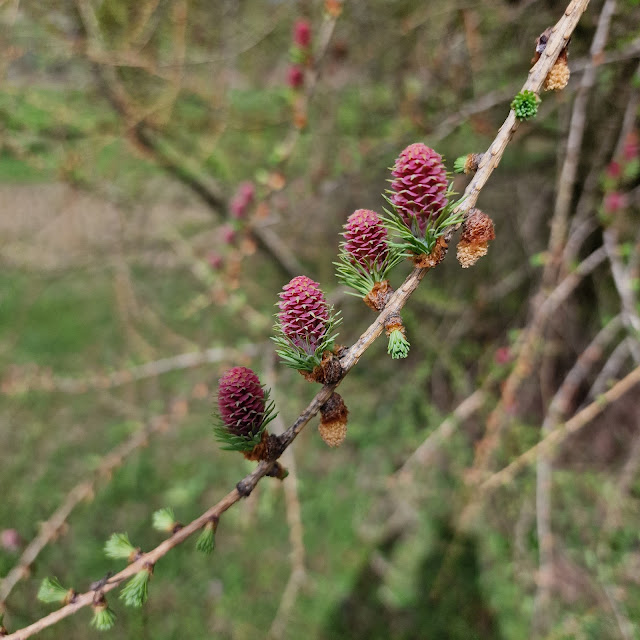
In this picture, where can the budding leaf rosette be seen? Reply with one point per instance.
(420, 198)
(305, 324)
(525, 105)
(366, 255)
(244, 410)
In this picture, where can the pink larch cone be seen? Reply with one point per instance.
(419, 185)
(241, 401)
(304, 313)
(366, 238)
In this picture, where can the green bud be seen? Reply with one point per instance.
(119, 546)
(398, 345)
(164, 520)
(52, 592)
(525, 105)
(459, 164)
(207, 540)
(103, 617)
(136, 591)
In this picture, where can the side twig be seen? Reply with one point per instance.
(559, 435)
(85, 491)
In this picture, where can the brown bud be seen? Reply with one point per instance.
(333, 7)
(269, 448)
(377, 298)
(333, 423)
(394, 323)
(329, 371)
(541, 44)
(472, 162)
(477, 230)
(428, 261)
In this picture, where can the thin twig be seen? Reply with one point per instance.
(43, 380)
(526, 350)
(423, 455)
(559, 407)
(559, 435)
(569, 170)
(84, 491)
(623, 282)
(609, 371)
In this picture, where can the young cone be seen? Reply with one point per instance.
(366, 239)
(244, 410)
(302, 33)
(304, 327)
(422, 206)
(419, 186)
(304, 313)
(366, 256)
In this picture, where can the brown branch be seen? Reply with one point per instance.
(85, 491)
(557, 436)
(559, 407)
(567, 176)
(296, 540)
(561, 33)
(45, 381)
(526, 349)
(424, 454)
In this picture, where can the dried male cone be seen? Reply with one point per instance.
(477, 230)
(333, 422)
(558, 78)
